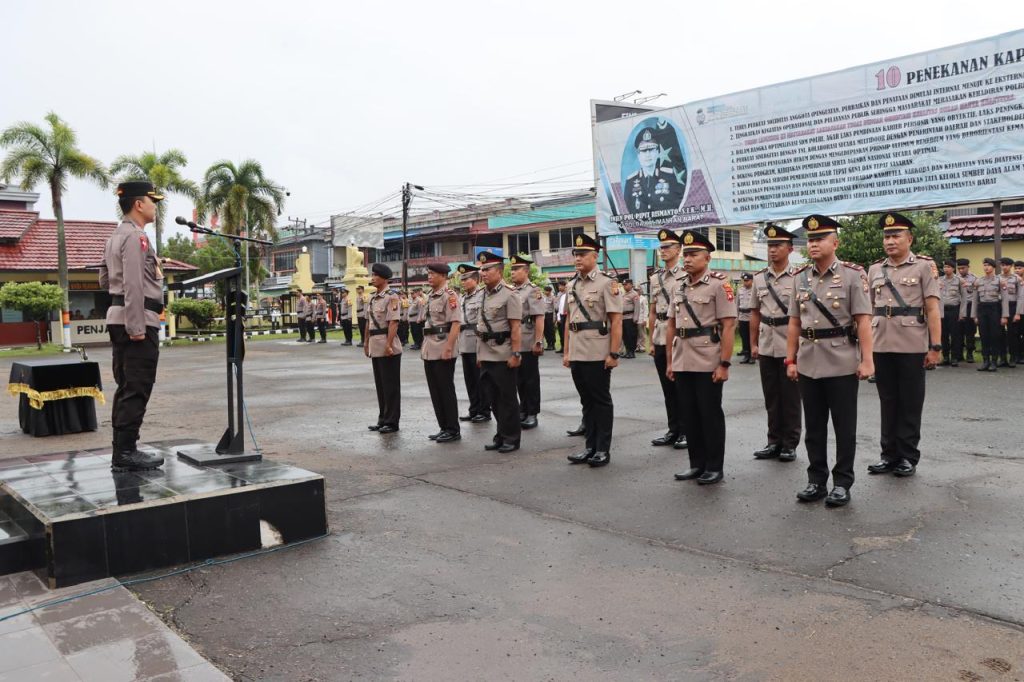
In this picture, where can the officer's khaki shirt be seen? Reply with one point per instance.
(950, 290)
(843, 289)
(549, 304)
(744, 302)
(968, 283)
(415, 309)
(381, 309)
(470, 319)
(916, 282)
(1011, 285)
(130, 269)
(600, 295)
(499, 305)
(442, 308)
(301, 308)
(344, 308)
(712, 300)
(319, 310)
(771, 339)
(361, 302)
(663, 285)
(990, 290)
(532, 299)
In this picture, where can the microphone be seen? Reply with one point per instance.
(187, 223)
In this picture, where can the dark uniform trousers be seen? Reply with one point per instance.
(387, 375)
(403, 332)
(302, 329)
(701, 398)
(1010, 336)
(593, 383)
(968, 329)
(134, 367)
(441, 383)
(478, 402)
(744, 328)
(561, 332)
(549, 330)
(989, 315)
(952, 338)
(821, 397)
(361, 322)
(528, 384)
(629, 335)
(321, 326)
(417, 333)
(899, 378)
(668, 389)
(346, 329)
(782, 401)
(498, 382)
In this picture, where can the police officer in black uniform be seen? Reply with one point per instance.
(652, 188)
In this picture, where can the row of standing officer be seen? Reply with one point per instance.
(988, 305)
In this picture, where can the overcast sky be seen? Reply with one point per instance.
(343, 102)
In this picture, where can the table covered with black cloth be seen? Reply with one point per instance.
(56, 395)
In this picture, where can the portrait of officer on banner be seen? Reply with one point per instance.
(658, 180)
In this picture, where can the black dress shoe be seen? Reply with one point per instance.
(387, 428)
(812, 493)
(466, 418)
(983, 367)
(668, 439)
(689, 474)
(435, 436)
(839, 497)
(881, 467)
(904, 468)
(448, 437)
(970, 357)
(599, 459)
(508, 447)
(872, 379)
(710, 478)
(1002, 363)
(480, 418)
(680, 443)
(992, 367)
(954, 363)
(787, 455)
(770, 451)
(580, 457)
(493, 446)
(578, 431)
(374, 427)
(944, 363)
(530, 422)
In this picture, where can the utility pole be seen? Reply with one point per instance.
(407, 189)
(997, 229)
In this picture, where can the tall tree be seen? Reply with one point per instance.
(860, 239)
(163, 170)
(243, 197)
(37, 154)
(179, 247)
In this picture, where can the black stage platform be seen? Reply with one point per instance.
(70, 518)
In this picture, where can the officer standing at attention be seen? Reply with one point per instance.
(662, 287)
(132, 275)
(968, 314)
(991, 310)
(744, 303)
(472, 300)
(829, 312)
(361, 300)
(1018, 267)
(443, 320)
(1009, 349)
(381, 345)
(345, 316)
(320, 318)
(497, 351)
(403, 324)
(532, 345)
(703, 318)
(416, 319)
(630, 313)
(302, 313)
(593, 337)
(951, 290)
(906, 333)
(769, 323)
(549, 318)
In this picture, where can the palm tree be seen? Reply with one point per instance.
(243, 197)
(52, 155)
(163, 171)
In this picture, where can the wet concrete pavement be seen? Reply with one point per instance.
(447, 562)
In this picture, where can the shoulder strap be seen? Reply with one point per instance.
(483, 314)
(373, 318)
(771, 290)
(689, 309)
(821, 306)
(892, 287)
(579, 303)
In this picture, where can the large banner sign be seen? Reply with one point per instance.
(931, 129)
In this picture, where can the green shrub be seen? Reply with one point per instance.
(200, 312)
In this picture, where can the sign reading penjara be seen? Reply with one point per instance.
(932, 129)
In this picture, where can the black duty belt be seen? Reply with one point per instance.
(951, 305)
(592, 324)
(988, 302)
(744, 310)
(661, 316)
(149, 303)
(899, 311)
(775, 321)
(829, 333)
(500, 337)
(378, 332)
(442, 329)
(703, 331)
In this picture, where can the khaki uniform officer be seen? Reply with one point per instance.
(907, 334)
(345, 315)
(830, 308)
(744, 303)
(532, 344)
(968, 312)
(381, 345)
(472, 302)
(769, 323)
(630, 318)
(951, 290)
(361, 300)
(549, 318)
(1018, 267)
(1009, 334)
(440, 348)
(415, 319)
(594, 333)
(662, 287)
(991, 311)
(497, 351)
(132, 275)
(703, 319)
(302, 313)
(319, 318)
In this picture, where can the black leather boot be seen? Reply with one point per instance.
(127, 458)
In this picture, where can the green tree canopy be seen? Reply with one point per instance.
(179, 247)
(34, 299)
(52, 156)
(163, 170)
(860, 239)
(243, 197)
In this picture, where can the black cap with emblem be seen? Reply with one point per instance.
(439, 268)
(818, 226)
(487, 259)
(465, 270)
(520, 260)
(381, 270)
(583, 243)
(774, 234)
(645, 139)
(139, 188)
(695, 241)
(891, 223)
(667, 237)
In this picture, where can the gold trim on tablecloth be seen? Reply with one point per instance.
(37, 398)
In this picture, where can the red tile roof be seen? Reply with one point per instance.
(981, 227)
(14, 223)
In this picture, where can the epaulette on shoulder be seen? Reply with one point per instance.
(854, 266)
(924, 257)
(718, 275)
(872, 262)
(764, 269)
(797, 271)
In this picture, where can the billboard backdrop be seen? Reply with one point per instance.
(936, 128)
